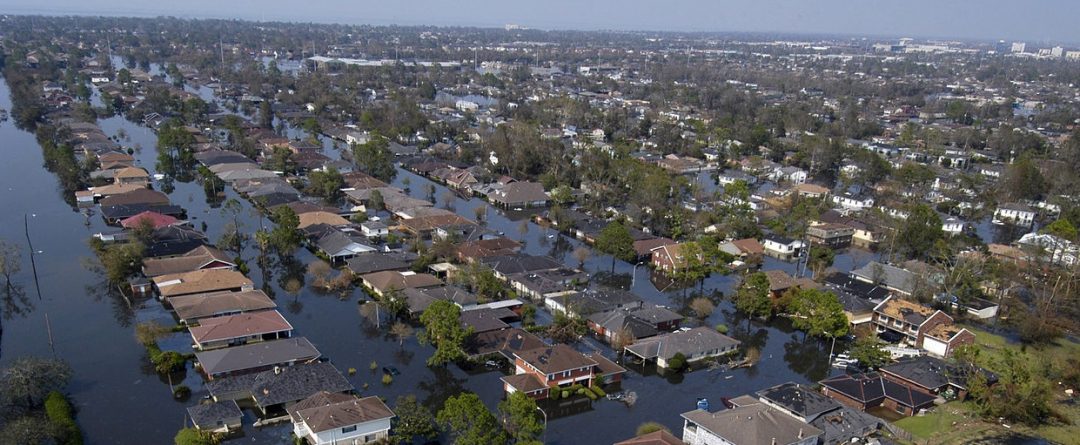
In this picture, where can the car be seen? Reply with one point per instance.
(390, 371)
(492, 363)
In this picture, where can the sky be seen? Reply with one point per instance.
(1027, 20)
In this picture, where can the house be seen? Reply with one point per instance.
(865, 391)
(380, 261)
(831, 235)
(199, 258)
(139, 195)
(581, 304)
(810, 190)
(624, 326)
(943, 339)
(756, 424)
(895, 279)
(797, 401)
(644, 248)
(327, 418)
(506, 265)
(339, 246)
(131, 176)
(519, 195)
(320, 217)
(728, 177)
(933, 375)
(192, 308)
(853, 201)
(537, 371)
(220, 417)
(148, 218)
(953, 225)
(239, 329)
(540, 285)
(695, 344)
(1051, 248)
(280, 388)
(255, 357)
(1014, 214)
(857, 309)
(909, 321)
(201, 281)
(420, 298)
(661, 437)
(794, 175)
(386, 281)
(668, 258)
(473, 250)
(782, 247)
(374, 229)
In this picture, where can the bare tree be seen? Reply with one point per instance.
(581, 254)
(702, 307)
(320, 271)
(401, 331)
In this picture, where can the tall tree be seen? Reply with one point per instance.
(28, 380)
(374, 158)
(521, 418)
(752, 298)
(413, 420)
(919, 232)
(615, 240)
(819, 313)
(442, 328)
(286, 236)
(469, 422)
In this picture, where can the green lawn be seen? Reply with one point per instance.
(930, 424)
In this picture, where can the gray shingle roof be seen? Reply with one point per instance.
(258, 355)
(207, 415)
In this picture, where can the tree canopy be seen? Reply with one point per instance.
(442, 328)
(469, 422)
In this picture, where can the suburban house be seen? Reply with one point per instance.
(519, 194)
(644, 248)
(321, 217)
(149, 218)
(642, 322)
(483, 248)
(540, 285)
(581, 304)
(538, 370)
(839, 424)
(200, 282)
(339, 246)
(383, 282)
(794, 175)
(797, 401)
(192, 308)
(199, 258)
(1014, 214)
(782, 247)
(280, 388)
(695, 344)
(895, 279)
(812, 191)
(934, 376)
(255, 357)
(755, 424)
(218, 417)
(865, 391)
(953, 225)
(506, 265)
(239, 329)
(832, 235)
(327, 418)
(913, 323)
(853, 201)
(374, 229)
(668, 258)
(380, 261)
(662, 437)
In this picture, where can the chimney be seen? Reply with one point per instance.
(800, 433)
(277, 370)
(774, 441)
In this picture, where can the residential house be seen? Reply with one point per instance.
(519, 195)
(794, 175)
(644, 248)
(695, 344)
(199, 258)
(806, 190)
(149, 218)
(200, 282)
(540, 285)
(239, 329)
(624, 326)
(386, 281)
(831, 235)
(192, 308)
(279, 388)
(374, 229)
(865, 391)
(731, 176)
(505, 265)
(669, 258)
(756, 424)
(912, 322)
(839, 424)
(217, 417)
(255, 357)
(943, 339)
(339, 246)
(474, 250)
(380, 261)
(782, 247)
(537, 371)
(321, 217)
(582, 304)
(1014, 214)
(327, 418)
(933, 375)
(1050, 248)
(895, 279)
(953, 225)
(853, 201)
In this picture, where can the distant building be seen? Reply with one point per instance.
(1019, 47)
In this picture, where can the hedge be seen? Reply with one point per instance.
(59, 412)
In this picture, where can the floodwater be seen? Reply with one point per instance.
(119, 397)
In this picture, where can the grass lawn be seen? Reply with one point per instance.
(930, 424)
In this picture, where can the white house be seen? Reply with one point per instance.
(339, 419)
(794, 175)
(374, 229)
(753, 424)
(1015, 214)
(953, 226)
(1056, 250)
(783, 248)
(851, 201)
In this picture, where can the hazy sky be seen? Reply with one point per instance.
(1030, 20)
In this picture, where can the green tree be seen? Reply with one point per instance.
(1020, 394)
(192, 436)
(1023, 180)
(1062, 228)
(286, 236)
(919, 232)
(375, 159)
(650, 427)
(326, 184)
(469, 422)
(819, 313)
(867, 350)
(442, 328)
(121, 261)
(752, 297)
(615, 240)
(521, 417)
(59, 412)
(266, 115)
(281, 159)
(28, 429)
(413, 420)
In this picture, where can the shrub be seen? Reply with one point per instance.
(352, 371)
(565, 394)
(722, 328)
(599, 392)
(650, 427)
(554, 395)
(387, 379)
(181, 391)
(374, 365)
(60, 414)
(677, 362)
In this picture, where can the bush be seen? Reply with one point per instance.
(677, 362)
(192, 436)
(181, 391)
(554, 395)
(60, 414)
(565, 394)
(722, 328)
(387, 379)
(599, 392)
(650, 427)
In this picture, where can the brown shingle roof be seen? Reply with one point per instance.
(239, 325)
(557, 358)
(200, 281)
(198, 258)
(344, 413)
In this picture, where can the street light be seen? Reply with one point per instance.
(544, 423)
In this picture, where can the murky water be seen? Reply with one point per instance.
(120, 398)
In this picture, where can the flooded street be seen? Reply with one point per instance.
(93, 326)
